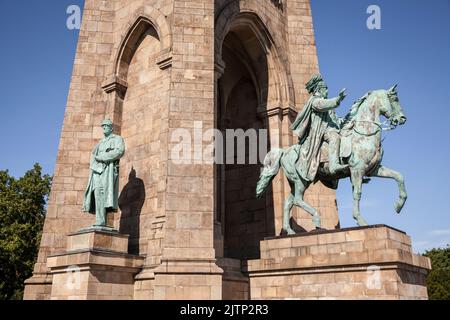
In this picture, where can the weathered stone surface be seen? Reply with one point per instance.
(326, 265)
(152, 67)
(98, 240)
(95, 267)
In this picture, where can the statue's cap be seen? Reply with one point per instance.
(314, 82)
(107, 122)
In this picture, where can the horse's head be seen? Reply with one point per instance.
(392, 109)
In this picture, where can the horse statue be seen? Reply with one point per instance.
(361, 149)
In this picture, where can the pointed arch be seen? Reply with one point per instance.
(246, 13)
(146, 19)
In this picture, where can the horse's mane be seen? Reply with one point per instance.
(354, 109)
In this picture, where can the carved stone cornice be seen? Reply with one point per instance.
(164, 60)
(115, 84)
(281, 112)
(219, 68)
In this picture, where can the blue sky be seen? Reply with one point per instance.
(412, 49)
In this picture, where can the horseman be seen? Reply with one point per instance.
(318, 122)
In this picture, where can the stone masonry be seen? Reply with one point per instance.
(155, 66)
(373, 262)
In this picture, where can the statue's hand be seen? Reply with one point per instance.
(342, 96)
(99, 159)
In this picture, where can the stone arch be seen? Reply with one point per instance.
(250, 82)
(138, 96)
(144, 18)
(248, 12)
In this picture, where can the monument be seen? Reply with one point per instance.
(102, 192)
(197, 230)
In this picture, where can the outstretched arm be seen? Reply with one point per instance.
(324, 105)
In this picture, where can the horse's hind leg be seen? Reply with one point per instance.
(357, 178)
(288, 204)
(383, 172)
(299, 201)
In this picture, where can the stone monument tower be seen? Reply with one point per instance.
(184, 231)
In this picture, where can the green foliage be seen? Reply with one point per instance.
(22, 213)
(438, 280)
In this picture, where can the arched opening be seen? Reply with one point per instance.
(245, 91)
(141, 114)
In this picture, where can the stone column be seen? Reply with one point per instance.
(219, 171)
(188, 269)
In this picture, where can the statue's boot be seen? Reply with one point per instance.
(334, 148)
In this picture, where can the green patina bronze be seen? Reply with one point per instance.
(102, 192)
(331, 148)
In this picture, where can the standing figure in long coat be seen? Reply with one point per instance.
(102, 192)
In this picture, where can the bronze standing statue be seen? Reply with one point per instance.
(318, 154)
(102, 191)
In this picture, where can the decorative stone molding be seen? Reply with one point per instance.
(278, 3)
(115, 84)
(164, 60)
(277, 111)
(219, 68)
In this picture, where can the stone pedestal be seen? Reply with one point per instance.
(374, 262)
(96, 266)
(182, 279)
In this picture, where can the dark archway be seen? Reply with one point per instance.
(243, 93)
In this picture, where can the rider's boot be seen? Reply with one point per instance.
(334, 148)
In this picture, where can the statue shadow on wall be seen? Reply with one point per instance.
(131, 201)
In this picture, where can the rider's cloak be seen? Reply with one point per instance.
(310, 126)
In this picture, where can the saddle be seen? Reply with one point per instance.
(345, 150)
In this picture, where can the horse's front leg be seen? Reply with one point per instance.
(357, 178)
(383, 172)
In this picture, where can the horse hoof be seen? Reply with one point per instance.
(288, 231)
(317, 223)
(361, 222)
(400, 204)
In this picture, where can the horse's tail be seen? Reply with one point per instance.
(271, 168)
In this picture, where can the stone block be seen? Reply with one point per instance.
(372, 262)
(108, 240)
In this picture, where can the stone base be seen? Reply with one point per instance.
(185, 279)
(235, 284)
(38, 287)
(95, 266)
(374, 262)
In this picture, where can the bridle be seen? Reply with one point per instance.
(385, 126)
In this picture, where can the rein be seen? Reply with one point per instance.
(379, 129)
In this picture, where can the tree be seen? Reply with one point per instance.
(22, 213)
(438, 280)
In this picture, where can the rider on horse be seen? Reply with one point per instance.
(318, 122)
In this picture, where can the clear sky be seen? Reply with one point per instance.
(411, 49)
